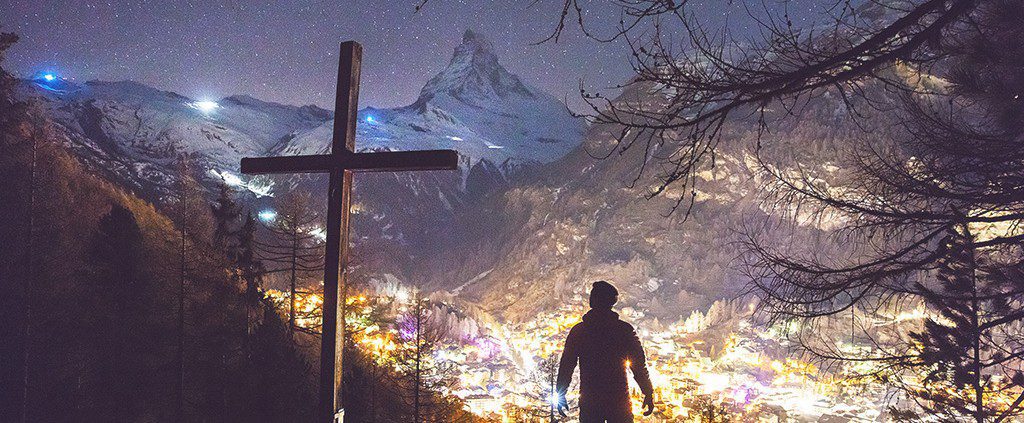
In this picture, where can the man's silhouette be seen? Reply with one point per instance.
(604, 346)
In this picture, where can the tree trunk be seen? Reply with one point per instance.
(180, 388)
(416, 393)
(979, 400)
(291, 306)
(30, 283)
(551, 386)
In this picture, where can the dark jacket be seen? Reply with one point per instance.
(603, 344)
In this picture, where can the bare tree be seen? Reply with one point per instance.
(929, 211)
(294, 247)
(548, 372)
(710, 78)
(929, 214)
(190, 212)
(422, 378)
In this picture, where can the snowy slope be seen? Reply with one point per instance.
(134, 133)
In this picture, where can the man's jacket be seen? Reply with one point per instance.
(603, 345)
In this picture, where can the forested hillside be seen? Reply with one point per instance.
(111, 310)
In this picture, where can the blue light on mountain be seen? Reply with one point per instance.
(51, 81)
(369, 119)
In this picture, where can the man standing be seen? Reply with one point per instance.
(604, 346)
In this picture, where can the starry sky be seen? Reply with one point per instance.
(286, 51)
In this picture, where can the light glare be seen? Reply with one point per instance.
(319, 233)
(205, 106)
(268, 215)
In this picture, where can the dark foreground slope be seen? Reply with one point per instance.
(92, 278)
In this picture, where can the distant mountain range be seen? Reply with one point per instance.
(133, 133)
(527, 222)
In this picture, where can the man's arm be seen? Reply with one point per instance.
(567, 364)
(638, 363)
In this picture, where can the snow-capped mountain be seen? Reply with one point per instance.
(474, 106)
(134, 133)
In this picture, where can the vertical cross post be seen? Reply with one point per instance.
(339, 197)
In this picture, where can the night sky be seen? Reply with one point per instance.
(285, 51)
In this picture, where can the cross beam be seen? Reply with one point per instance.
(384, 161)
(340, 163)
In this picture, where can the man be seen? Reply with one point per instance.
(604, 346)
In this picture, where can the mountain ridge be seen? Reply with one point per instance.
(474, 72)
(151, 127)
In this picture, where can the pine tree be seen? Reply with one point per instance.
(15, 272)
(113, 323)
(235, 235)
(958, 357)
(282, 389)
(35, 267)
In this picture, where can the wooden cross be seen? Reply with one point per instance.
(339, 164)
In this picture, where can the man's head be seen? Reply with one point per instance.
(603, 295)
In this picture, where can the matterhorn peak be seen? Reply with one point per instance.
(476, 51)
(475, 39)
(476, 106)
(474, 75)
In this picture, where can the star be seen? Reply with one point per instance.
(284, 51)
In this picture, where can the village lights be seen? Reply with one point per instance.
(499, 375)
